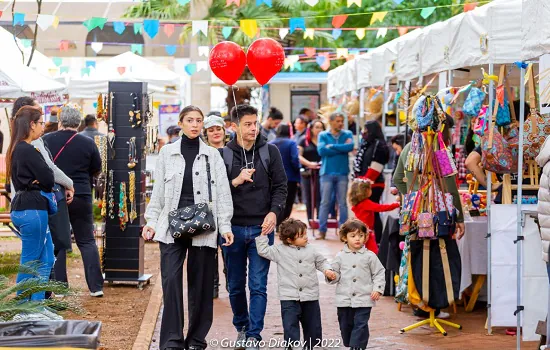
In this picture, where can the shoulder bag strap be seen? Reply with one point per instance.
(65, 145)
(496, 105)
(209, 177)
(447, 272)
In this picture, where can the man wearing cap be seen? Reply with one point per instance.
(173, 133)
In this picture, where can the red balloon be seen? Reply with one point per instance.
(265, 58)
(227, 61)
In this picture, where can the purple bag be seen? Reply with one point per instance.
(444, 159)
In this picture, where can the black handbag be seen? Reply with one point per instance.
(195, 219)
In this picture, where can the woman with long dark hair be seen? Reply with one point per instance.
(289, 152)
(30, 176)
(181, 181)
(310, 161)
(373, 155)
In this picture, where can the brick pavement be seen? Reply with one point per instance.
(384, 324)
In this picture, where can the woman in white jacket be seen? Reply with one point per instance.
(181, 180)
(543, 207)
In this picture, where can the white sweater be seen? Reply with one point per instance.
(543, 207)
(169, 174)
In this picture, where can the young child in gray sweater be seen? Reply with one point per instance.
(360, 279)
(298, 283)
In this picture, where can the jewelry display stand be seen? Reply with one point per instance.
(432, 322)
(124, 246)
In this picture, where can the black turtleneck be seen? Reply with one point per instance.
(189, 151)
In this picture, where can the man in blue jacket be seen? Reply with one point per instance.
(334, 146)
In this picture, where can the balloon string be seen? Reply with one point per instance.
(239, 126)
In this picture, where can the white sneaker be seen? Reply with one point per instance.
(98, 294)
(443, 315)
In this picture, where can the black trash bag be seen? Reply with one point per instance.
(51, 334)
(438, 291)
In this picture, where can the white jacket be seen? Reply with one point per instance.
(543, 207)
(169, 173)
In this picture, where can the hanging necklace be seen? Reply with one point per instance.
(111, 132)
(135, 114)
(132, 195)
(111, 185)
(123, 207)
(101, 142)
(132, 153)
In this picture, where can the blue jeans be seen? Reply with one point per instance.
(329, 185)
(37, 244)
(243, 247)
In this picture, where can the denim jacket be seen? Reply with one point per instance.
(358, 275)
(296, 275)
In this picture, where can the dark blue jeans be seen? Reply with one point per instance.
(241, 253)
(37, 246)
(330, 185)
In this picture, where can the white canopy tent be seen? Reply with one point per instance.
(535, 28)
(17, 80)
(125, 67)
(363, 64)
(336, 81)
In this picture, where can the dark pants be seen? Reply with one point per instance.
(200, 289)
(60, 227)
(217, 271)
(354, 326)
(378, 227)
(241, 253)
(312, 204)
(82, 221)
(291, 195)
(308, 313)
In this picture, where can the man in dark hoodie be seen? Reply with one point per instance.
(259, 189)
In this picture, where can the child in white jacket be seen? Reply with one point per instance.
(298, 284)
(361, 279)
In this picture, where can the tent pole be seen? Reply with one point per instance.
(396, 106)
(489, 205)
(359, 124)
(519, 196)
(385, 105)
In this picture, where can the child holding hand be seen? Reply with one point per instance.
(360, 279)
(364, 209)
(298, 284)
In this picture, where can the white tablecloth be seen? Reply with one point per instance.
(473, 251)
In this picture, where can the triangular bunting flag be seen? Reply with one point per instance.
(267, 2)
(297, 66)
(402, 30)
(311, 2)
(151, 27)
(326, 65)
(97, 47)
(200, 26)
(58, 61)
(320, 60)
(18, 19)
(202, 66)
(26, 42)
(470, 6)
(336, 33)
(64, 69)
(119, 27)
(236, 2)
(1, 13)
(339, 20)
(85, 71)
(64, 45)
(90, 64)
(427, 12)
(45, 21)
(341, 52)
(95, 22)
(171, 49)
(138, 28)
(283, 32)
(398, 2)
(204, 51)
(55, 22)
(309, 33)
(356, 2)
(310, 51)
(121, 70)
(378, 16)
(183, 2)
(169, 29)
(249, 27)
(381, 33)
(360, 32)
(53, 72)
(297, 23)
(226, 32)
(191, 68)
(137, 48)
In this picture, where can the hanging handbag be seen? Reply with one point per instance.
(473, 102)
(424, 111)
(426, 225)
(52, 202)
(195, 219)
(536, 127)
(444, 158)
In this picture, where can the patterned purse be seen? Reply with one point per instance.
(473, 102)
(425, 225)
(536, 128)
(444, 158)
(195, 219)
